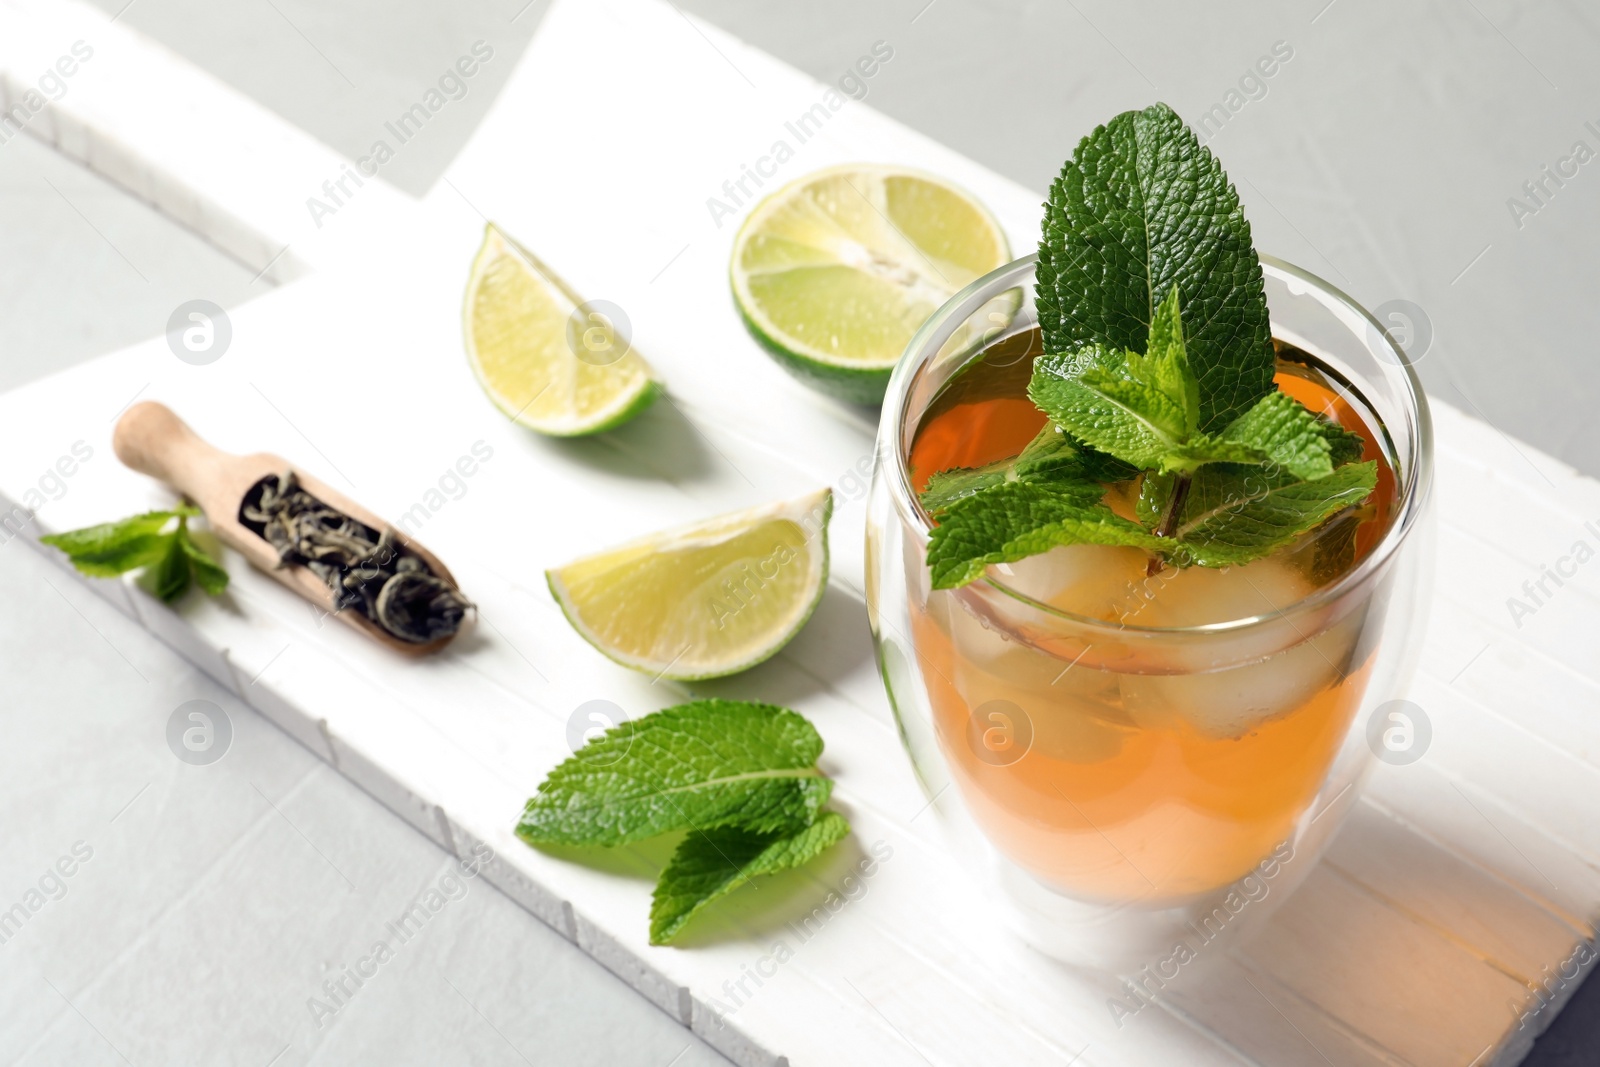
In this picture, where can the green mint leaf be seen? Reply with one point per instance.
(710, 864)
(946, 487)
(1141, 409)
(703, 765)
(1016, 520)
(1166, 361)
(1102, 467)
(1344, 446)
(1050, 449)
(207, 572)
(1203, 448)
(1153, 494)
(1056, 457)
(172, 559)
(1335, 550)
(1106, 398)
(170, 578)
(1238, 514)
(1142, 207)
(1051, 458)
(113, 548)
(1286, 432)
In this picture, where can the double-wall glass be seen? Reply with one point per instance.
(1121, 785)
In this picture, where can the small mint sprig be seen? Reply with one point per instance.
(740, 777)
(158, 541)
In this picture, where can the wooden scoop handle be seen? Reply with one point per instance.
(154, 441)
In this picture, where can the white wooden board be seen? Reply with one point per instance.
(1462, 883)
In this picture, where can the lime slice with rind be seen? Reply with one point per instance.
(548, 360)
(835, 272)
(704, 600)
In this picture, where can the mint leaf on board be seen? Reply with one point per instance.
(171, 557)
(711, 864)
(113, 548)
(1142, 207)
(1237, 514)
(169, 579)
(1016, 520)
(207, 572)
(700, 766)
(741, 777)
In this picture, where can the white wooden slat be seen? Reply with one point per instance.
(1478, 827)
(1545, 696)
(1515, 566)
(1482, 914)
(1559, 629)
(1526, 772)
(1271, 1023)
(1393, 994)
(1534, 526)
(454, 745)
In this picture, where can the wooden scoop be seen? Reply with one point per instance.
(154, 441)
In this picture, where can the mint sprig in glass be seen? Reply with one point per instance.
(1157, 353)
(1142, 561)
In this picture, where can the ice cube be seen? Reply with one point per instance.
(1097, 581)
(1071, 711)
(1199, 596)
(988, 655)
(1231, 702)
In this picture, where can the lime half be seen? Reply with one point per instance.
(835, 272)
(705, 600)
(525, 330)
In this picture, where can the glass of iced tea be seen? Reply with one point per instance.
(1133, 753)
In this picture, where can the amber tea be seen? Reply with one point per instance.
(1105, 772)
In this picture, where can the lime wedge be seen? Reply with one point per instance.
(833, 273)
(522, 336)
(705, 600)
